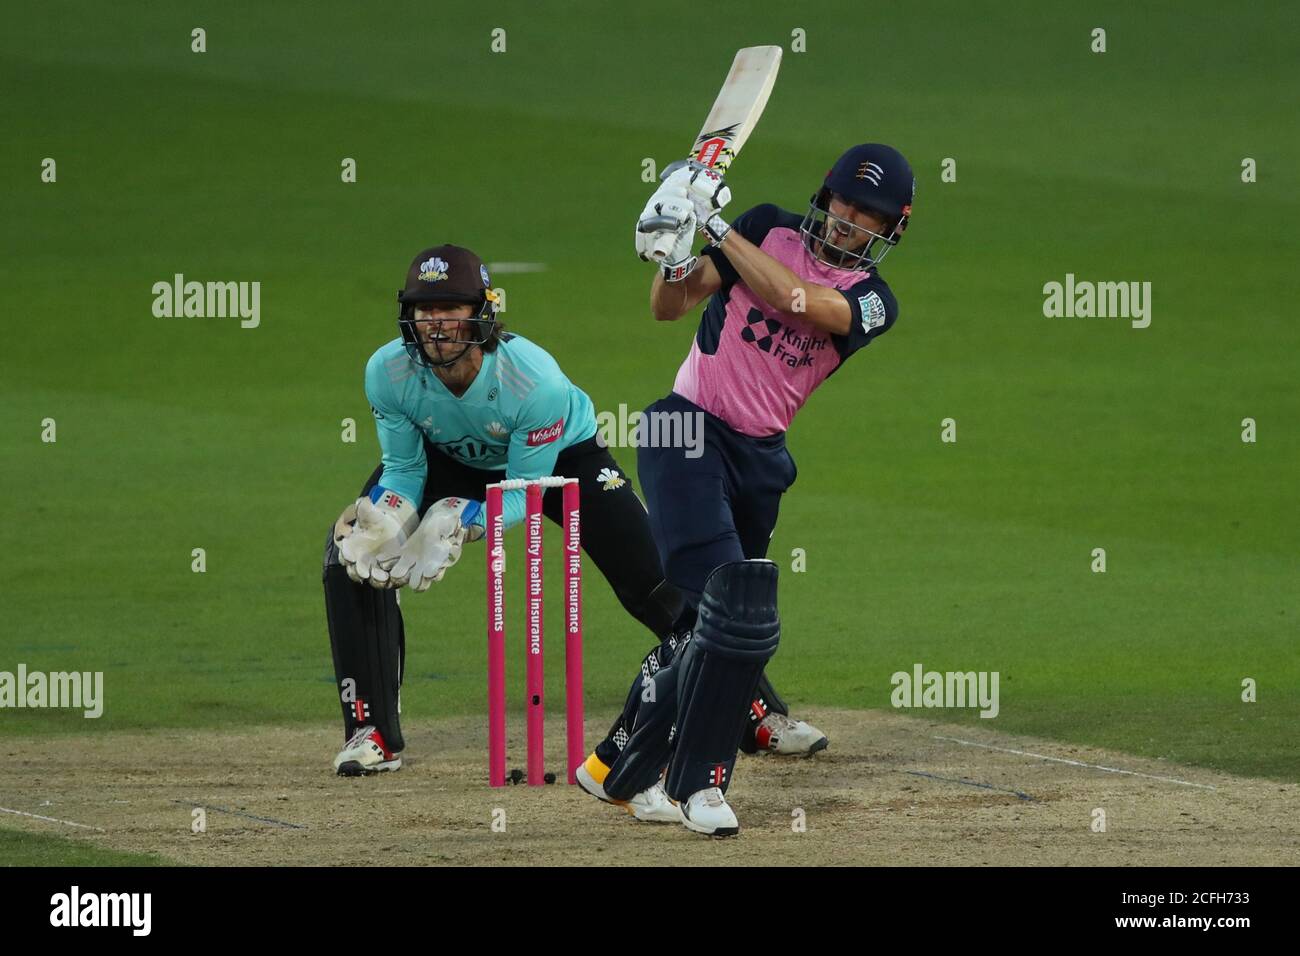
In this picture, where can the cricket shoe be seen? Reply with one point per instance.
(779, 734)
(366, 753)
(707, 812)
(649, 806)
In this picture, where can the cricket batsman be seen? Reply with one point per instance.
(790, 299)
(460, 403)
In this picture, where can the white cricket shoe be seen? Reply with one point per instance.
(653, 806)
(784, 735)
(649, 806)
(707, 812)
(366, 753)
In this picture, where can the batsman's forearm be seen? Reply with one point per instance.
(784, 291)
(766, 278)
(669, 301)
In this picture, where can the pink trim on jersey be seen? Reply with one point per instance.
(753, 390)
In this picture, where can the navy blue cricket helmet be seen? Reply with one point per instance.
(874, 177)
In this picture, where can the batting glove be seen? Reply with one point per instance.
(662, 224)
(705, 187)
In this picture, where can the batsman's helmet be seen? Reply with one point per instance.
(872, 176)
(448, 274)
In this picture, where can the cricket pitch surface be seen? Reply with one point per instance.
(890, 790)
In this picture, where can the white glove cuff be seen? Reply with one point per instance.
(399, 508)
(677, 271)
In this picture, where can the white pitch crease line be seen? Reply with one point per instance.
(37, 816)
(1077, 763)
(506, 268)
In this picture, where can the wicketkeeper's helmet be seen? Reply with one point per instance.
(447, 274)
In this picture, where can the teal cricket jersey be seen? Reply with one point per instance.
(518, 414)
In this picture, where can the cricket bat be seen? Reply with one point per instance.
(728, 126)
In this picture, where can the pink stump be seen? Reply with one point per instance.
(577, 750)
(496, 633)
(535, 702)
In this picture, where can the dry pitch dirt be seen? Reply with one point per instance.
(888, 791)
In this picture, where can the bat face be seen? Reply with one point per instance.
(739, 104)
(734, 114)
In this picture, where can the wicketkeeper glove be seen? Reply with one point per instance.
(436, 544)
(370, 535)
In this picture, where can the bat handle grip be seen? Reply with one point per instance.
(657, 224)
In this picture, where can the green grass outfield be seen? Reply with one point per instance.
(1073, 434)
(39, 849)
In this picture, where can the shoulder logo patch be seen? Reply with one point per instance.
(610, 479)
(544, 436)
(872, 308)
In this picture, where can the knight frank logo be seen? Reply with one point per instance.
(766, 329)
(784, 343)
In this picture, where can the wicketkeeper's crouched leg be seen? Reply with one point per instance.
(369, 646)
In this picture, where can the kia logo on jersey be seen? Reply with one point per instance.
(544, 436)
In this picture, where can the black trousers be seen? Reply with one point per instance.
(367, 634)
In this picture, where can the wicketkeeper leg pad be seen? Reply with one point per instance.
(369, 645)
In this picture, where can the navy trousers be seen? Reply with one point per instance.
(717, 507)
